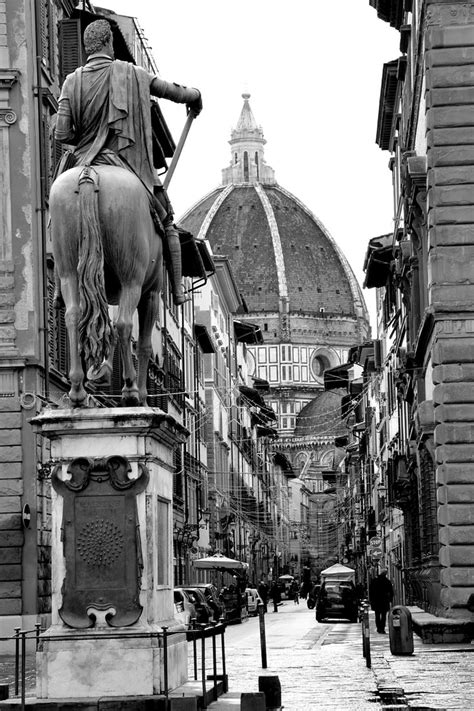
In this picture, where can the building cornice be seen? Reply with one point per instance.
(8, 77)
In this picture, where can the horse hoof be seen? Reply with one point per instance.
(130, 398)
(78, 398)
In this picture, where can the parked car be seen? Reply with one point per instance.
(204, 612)
(337, 600)
(213, 599)
(253, 600)
(184, 608)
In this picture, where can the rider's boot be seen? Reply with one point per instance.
(174, 247)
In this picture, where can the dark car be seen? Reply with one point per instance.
(204, 613)
(213, 600)
(337, 600)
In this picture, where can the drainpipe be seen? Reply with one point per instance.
(38, 92)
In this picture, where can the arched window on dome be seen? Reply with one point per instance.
(236, 158)
(246, 167)
(257, 166)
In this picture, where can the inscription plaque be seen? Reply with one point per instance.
(101, 539)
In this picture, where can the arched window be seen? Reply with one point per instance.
(246, 167)
(236, 160)
(257, 166)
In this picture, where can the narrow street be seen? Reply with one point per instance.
(320, 666)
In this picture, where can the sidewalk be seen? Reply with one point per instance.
(435, 676)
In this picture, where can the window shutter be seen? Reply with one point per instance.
(71, 52)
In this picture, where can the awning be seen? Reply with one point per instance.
(378, 259)
(191, 260)
(252, 396)
(337, 377)
(247, 332)
(203, 338)
(266, 432)
(281, 461)
(261, 384)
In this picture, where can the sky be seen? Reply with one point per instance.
(313, 69)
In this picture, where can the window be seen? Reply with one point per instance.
(57, 335)
(46, 25)
(319, 364)
(246, 167)
(162, 547)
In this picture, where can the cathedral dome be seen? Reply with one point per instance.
(296, 283)
(322, 416)
(283, 258)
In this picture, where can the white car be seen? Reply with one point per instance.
(184, 609)
(253, 600)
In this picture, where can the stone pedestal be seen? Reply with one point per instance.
(112, 584)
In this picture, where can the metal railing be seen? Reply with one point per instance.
(204, 666)
(201, 632)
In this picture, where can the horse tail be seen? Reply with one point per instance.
(95, 330)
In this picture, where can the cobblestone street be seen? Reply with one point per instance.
(320, 666)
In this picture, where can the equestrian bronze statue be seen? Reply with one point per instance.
(110, 215)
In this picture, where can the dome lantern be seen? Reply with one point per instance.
(247, 163)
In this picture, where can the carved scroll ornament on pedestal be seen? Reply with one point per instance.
(101, 539)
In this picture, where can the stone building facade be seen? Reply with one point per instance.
(425, 280)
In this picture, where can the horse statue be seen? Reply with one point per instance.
(107, 252)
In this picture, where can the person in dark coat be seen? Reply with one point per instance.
(381, 596)
(275, 595)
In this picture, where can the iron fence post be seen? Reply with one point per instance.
(23, 668)
(203, 669)
(165, 659)
(38, 631)
(214, 663)
(17, 659)
(224, 675)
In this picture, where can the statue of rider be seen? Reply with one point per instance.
(104, 112)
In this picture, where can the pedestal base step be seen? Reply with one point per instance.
(130, 703)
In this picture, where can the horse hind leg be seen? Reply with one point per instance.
(129, 299)
(147, 314)
(77, 393)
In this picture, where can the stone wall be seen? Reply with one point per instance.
(450, 160)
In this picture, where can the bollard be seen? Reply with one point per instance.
(263, 642)
(400, 630)
(271, 687)
(366, 637)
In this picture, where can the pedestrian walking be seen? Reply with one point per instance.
(380, 597)
(295, 592)
(275, 595)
